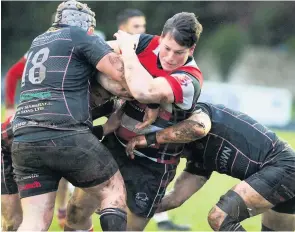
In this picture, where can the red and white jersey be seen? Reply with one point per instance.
(14, 74)
(185, 82)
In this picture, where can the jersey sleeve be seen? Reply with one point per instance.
(185, 87)
(13, 75)
(142, 43)
(89, 45)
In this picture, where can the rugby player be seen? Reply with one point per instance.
(52, 136)
(14, 74)
(133, 22)
(162, 74)
(232, 143)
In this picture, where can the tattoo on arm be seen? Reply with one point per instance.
(182, 132)
(118, 64)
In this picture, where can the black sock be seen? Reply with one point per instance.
(113, 219)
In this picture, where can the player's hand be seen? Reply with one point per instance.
(125, 40)
(136, 142)
(150, 117)
(113, 122)
(9, 112)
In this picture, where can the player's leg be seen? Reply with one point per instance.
(96, 173)
(80, 205)
(259, 193)
(11, 211)
(61, 200)
(109, 197)
(135, 222)
(280, 218)
(37, 184)
(235, 206)
(146, 182)
(38, 212)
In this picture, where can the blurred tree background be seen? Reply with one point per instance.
(228, 26)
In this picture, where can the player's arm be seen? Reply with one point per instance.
(112, 66)
(114, 87)
(114, 121)
(185, 186)
(195, 127)
(114, 45)
(98, 53)
(13, 75)
(141, 84)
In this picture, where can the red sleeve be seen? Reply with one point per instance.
(13, 75)
(176, 88)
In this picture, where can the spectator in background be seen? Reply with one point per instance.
(133, 21)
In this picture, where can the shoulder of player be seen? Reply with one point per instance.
(191, 69)
(80, 36)
(145, 37)
(143, 41)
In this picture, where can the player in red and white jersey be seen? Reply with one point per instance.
(14, 74)
(133, 21)
(161, 74)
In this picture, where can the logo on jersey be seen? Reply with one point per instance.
(182, 79)
(223, 159)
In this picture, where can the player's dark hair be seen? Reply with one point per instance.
(184, 27)
(126, 14)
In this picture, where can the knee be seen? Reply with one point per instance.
(227, 214)
(216, 217)
(11, 222)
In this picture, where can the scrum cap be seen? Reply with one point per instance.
(74, 13)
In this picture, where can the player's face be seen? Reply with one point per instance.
(135, 25)
(172, 55)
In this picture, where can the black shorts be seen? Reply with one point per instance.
(145, 180)
(276, 181)
(79, 158)
(286, 207)
(8, 184)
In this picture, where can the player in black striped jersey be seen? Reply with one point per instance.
(53, 122)
(234, 144)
